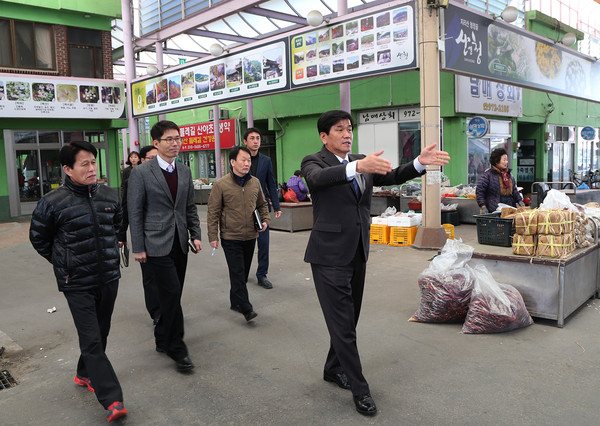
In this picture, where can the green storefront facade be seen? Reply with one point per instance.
(77, 52)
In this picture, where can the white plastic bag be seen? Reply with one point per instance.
(494, 307)
(446, 285)
(556, 199)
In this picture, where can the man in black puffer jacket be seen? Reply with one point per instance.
(74, 227)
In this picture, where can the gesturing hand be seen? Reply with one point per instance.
(434, 157)
(374, 163)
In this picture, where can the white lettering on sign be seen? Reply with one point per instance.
(471, 46)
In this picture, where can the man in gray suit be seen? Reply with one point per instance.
(162, 217)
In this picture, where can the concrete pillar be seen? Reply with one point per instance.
(345, 97)
(430, 234)
(159, 64)
(250, 113)
(129, 72)
(217, 141)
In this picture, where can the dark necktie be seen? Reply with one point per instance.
(354, 182)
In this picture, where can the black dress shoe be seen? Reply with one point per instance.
(184, 365)
(339, 379)
(250, 315)
(365, 404)
(265, 283)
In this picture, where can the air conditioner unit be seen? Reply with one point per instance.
(223, 114)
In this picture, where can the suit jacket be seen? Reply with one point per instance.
(340, 219)
(153, 216)
(264, 173)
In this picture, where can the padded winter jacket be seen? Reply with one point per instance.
(74, 227)
(488, 190)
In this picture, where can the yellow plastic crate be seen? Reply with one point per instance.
(380, 234)
(402, 236)
(449, 230)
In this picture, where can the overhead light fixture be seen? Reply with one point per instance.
(569, 39)
(508, 15)
(151, 70)
(216, 49)
(315, 18)
(87, 16)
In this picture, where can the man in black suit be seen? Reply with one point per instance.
(162, 217)
(262, 168)
(341, 185)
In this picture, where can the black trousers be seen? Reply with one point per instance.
(340, 293)
(239, 259)
(263, 254)
(168, 274)
(150, 292)
(92, 311)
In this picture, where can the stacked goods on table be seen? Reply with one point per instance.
(555, 233)
(451, 291)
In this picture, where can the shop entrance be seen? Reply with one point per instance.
(33, 164)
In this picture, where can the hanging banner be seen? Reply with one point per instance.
(201, 136)
(380, 43)
(60, 97)
(258, 71)
(479, 46)
(480, 96)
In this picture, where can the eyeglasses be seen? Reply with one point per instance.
(171, 140)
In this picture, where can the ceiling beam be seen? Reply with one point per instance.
(220, 36)
(214, 13)
(275, 15)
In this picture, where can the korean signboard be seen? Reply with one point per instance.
(363, 46)
(201, 136)
(245, 74)
(60, 97)
(476, 45)
(479, 96)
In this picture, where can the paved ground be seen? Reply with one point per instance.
(269, 372)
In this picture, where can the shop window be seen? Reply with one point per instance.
(26, 45)
(85, 52)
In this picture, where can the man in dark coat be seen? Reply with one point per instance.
(75, 228)
(341, 185)
(262, 168)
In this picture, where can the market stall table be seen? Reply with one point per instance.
(551, 288)
(294, 217)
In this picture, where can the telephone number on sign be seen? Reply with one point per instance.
(495, 107)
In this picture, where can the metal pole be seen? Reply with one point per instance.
(345, 97)
(250, 113)
(431, 234)
(217, 141)
(159, 64)
(129, 71)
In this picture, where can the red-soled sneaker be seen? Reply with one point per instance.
(116, 410)
(84, 381)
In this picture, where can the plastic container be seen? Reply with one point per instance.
(401, 236)
(449, 230)
(380, 234)
(414, 205)
(494, 230)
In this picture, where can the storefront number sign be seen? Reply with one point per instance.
(478, 46)
(588, 133)
(477, 127)
(383, 42)
(60, 97)
(240, 75)
(201, 136)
